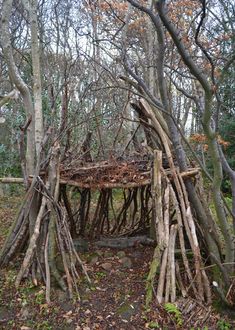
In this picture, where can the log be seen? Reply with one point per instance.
(107, 185)
(124, 242)
(189, 173)
(11, 180)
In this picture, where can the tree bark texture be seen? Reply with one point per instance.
(19, 83)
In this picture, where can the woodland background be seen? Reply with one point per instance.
(72, 69)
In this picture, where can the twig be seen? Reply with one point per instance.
(47, 267)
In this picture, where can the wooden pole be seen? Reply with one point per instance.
(157, 223)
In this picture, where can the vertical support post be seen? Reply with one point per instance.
(157, 223)
(157, 226)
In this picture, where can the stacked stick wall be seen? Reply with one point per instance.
(108, 211)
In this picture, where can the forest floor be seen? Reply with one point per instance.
(116, 299)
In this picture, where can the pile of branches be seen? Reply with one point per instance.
(174, 225)
(42, 228)
(108, 174)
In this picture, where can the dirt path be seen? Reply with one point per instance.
(114, 301)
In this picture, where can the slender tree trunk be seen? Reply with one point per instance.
(19, 83)
(37, 88)
(227, 169)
